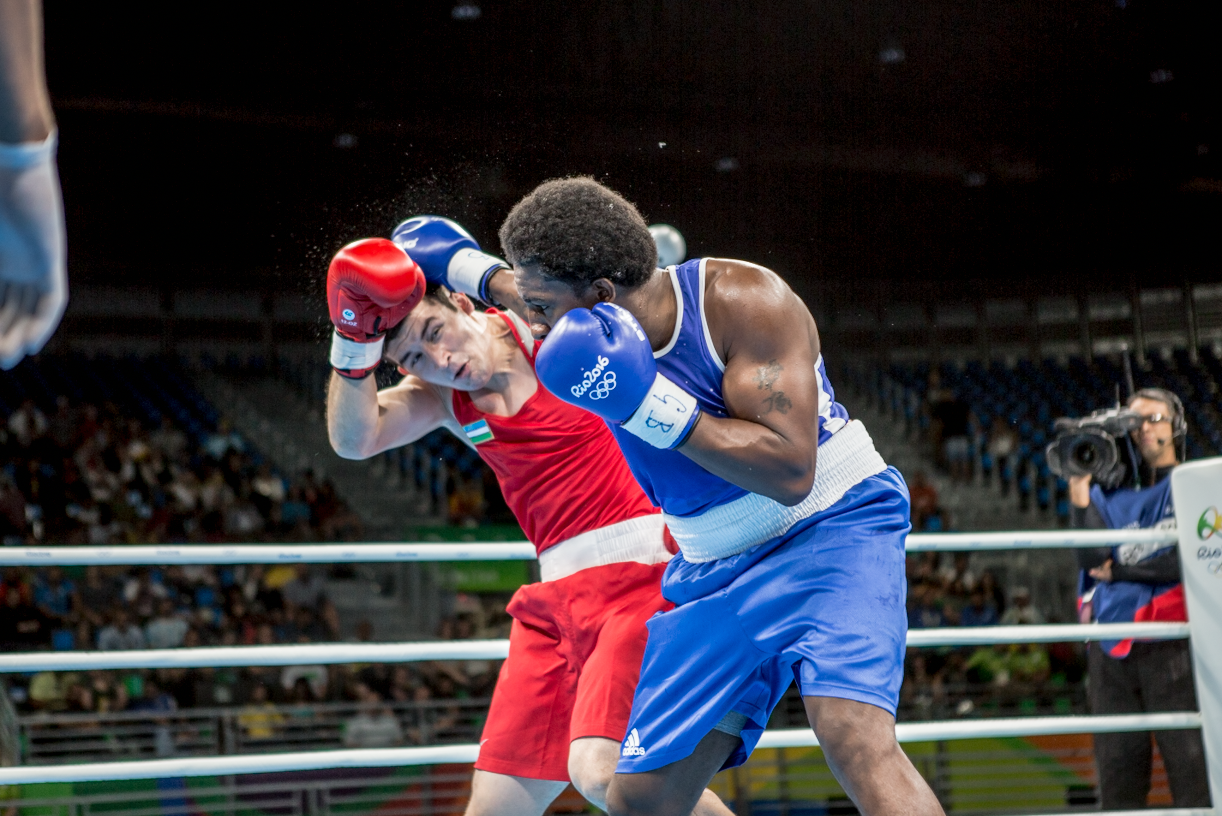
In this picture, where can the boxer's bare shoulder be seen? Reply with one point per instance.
(743, 300)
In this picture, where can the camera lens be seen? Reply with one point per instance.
(1085, 454)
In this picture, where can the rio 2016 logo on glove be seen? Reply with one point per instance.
(604, 388)
(591, 377)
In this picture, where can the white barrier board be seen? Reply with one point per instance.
(1196, 489)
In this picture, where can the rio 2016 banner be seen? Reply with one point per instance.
(1196, 489)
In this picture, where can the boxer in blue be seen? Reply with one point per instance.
(791, 526)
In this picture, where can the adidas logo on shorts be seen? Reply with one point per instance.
(632, 745)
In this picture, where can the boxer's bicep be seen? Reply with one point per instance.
(770, 380)
(762, 332)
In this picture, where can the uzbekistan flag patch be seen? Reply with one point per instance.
(478, 432)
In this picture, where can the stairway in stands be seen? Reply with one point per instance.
(279, 420)
(972, 507)
(400, 600)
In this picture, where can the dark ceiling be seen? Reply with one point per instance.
(1048, 143)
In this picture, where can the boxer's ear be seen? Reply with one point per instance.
(603, 290)
(462, 302)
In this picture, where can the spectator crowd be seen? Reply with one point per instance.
(944, 590)
(85, 472)
(167, 607)
(88, 474)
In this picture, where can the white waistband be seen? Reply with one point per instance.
(639, 539)
(843, 461)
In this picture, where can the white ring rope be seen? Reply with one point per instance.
(356, 553)
(498, 649)
(431, 755)
(1044, 633)
(240, 764)
(294, 655)
(366, 553)
(330, 653)
(1145, 812)
(1035, 540)
(1000, 727)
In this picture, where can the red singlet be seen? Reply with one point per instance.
(576, 644)
(559, 467)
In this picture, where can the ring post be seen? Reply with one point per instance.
(1196, 489)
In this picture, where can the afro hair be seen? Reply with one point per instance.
(577, 231)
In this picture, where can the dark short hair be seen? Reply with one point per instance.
(1179, 422)
(434, 292)
(577, 231)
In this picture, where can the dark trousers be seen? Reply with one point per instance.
(1154, 677)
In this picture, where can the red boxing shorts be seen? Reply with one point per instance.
(574, 656)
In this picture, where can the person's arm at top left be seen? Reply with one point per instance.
(25, 105)
(768, 341)
(33, 270)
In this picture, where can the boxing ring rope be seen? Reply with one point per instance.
(444, 754)
(1194, 487)
(366, 553)
(363, 553)
(329, 653)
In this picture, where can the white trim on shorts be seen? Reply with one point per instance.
(639, 539)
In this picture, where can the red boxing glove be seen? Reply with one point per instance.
(371, 287)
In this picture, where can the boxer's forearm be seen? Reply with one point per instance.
(751, 456)
(352, 416)
(363, 421)
(25, 107)
(505, 294)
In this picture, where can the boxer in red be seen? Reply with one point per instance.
(562, 700)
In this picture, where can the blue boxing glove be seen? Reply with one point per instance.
(448, 254)
(600, 359)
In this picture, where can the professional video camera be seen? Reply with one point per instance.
(1097, 445)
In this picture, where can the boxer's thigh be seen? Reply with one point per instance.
(527, 731)
(834, 595)
(698, 666)
(610, 672)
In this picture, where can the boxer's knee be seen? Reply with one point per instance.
(851, 727)
(858, 739)
(592, 763)
(494, 794)
(640, 795)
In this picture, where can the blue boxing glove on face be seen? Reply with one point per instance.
(448, 254)
(600, 359)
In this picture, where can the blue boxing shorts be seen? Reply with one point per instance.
(823, 603)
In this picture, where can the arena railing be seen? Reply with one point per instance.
(53, 738)
(1197, 494)
(87, 736)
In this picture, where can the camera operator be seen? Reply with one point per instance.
(1140, 582)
